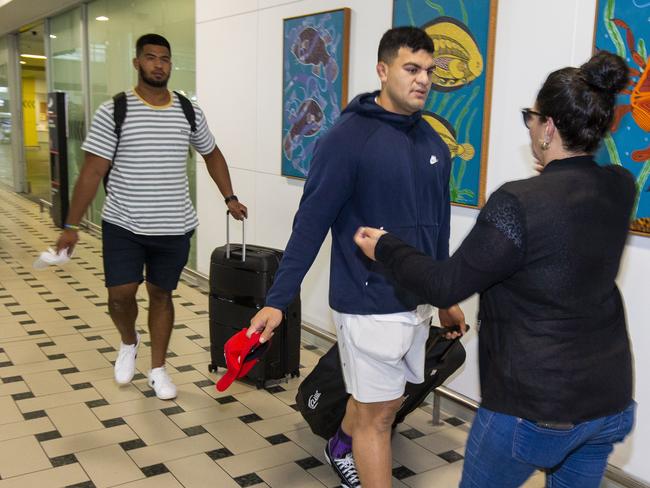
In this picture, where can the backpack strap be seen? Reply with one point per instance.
(119, 115)
(188, 110)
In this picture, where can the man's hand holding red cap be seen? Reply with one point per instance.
(242, 352)
(265, 321)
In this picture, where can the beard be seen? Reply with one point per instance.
(153, 82)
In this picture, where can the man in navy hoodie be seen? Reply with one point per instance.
(380, 165)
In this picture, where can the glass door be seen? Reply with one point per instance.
(66, 74)
(31, 51)
(6, 158)
(113, 28)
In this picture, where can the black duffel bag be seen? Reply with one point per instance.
(321, 397)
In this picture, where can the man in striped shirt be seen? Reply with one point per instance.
(148, 217)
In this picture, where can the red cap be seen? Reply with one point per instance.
(242, 353)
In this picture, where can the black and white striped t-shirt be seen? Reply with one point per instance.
(148, 191)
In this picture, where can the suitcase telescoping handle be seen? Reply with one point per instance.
(243, 237)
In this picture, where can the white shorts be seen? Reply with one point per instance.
(378, 357)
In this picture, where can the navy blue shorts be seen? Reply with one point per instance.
(127, 254)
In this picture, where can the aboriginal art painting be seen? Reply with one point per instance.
(458, 106)
(622, 28)
(315, 69)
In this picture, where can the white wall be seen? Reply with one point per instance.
(239, 85)
(239, 60)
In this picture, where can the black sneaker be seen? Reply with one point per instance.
(344, 467)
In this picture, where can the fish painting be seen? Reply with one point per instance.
(458, 104)
(641, 225)
(457, 58)
(315, 54)
(306, 122)
(310, 48)
(448, 135)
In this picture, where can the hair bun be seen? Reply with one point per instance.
(606, 71)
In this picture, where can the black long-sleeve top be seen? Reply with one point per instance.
(544, 254)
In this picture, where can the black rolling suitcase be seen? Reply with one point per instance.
(240, 278)
(322, 398)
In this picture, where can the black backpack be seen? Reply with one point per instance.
(119, 116)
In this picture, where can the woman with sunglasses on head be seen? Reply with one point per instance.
(554, 354)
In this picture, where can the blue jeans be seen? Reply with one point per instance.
(503, 451)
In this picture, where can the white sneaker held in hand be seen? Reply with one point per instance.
(162, 384)
(125, 362)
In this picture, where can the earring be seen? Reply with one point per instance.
(544, 145)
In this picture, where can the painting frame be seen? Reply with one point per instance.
(628, 144)
(315, 70)
(430, 16)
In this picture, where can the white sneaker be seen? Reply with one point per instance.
(162, 384)
(125, 362)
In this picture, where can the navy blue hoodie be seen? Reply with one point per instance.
(374, 168)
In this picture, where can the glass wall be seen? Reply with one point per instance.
(105, 63)
(113, 28)
(6, 159)
(31, 48)
(66, 71)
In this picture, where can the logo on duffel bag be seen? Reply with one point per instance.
(313, 400)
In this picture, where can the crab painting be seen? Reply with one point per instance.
(639, 92)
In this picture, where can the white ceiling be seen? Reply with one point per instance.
(31, 41)
(14, 14)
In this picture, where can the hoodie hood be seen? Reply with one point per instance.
(365, 105)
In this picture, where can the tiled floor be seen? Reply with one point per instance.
(64, 422)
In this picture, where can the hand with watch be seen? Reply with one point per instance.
(237, 210)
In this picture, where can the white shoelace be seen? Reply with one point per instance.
(347, 467)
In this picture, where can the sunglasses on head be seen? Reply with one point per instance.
(527, 114)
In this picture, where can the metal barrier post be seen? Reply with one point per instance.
(435, 414)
